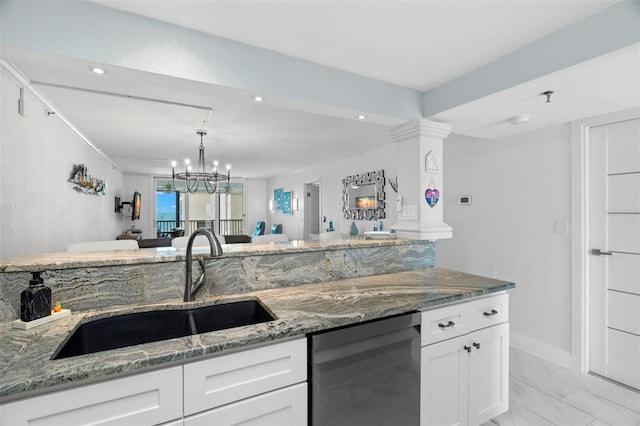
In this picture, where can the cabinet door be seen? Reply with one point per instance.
(488, 373)
(444, 383)
(284, 407)
(142, 399)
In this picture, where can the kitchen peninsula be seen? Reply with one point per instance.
(308, 286)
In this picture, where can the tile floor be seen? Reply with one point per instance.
(542, 393)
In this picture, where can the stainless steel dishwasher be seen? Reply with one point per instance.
(367, 374)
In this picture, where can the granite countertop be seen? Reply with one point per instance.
(25, 355)
(64, 260)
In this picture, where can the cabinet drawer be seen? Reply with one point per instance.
(283, 407)
(228, 378)
(143, 399)
(488, 311)
(444, 323)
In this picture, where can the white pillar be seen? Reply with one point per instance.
(420, 168)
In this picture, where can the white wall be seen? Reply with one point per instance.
(330, 176)
(40, 211)
(257, 203)
(520, 187)
(144, 185)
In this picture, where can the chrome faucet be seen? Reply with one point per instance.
(190, 287)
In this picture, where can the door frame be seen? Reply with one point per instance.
(580, 232)
(307, 211)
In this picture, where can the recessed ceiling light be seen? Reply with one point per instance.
(98, 70)
(520, 119)
(258, 98)
(362, 117)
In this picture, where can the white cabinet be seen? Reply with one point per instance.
(144, 399)
(488, 373)
(465, 379)
(229, 378)
(261, 386)
(444, 323)
(444, 383)
(283, 407)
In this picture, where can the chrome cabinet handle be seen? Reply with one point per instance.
(488, 314)
(598, 252)
(467, 348)
(450, 324)
(477, 345)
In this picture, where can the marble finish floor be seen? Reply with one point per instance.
(542, 393)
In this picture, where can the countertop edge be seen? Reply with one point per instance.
(60, 261)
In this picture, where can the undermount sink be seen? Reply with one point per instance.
(124, 330)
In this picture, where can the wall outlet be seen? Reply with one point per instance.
(399, 203)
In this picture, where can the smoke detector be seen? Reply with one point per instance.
(520, 119)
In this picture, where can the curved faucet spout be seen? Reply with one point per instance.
(190, 287)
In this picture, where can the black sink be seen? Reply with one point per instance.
(136, 328)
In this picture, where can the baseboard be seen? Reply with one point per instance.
(541, 350)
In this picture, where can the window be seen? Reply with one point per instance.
(221, 213)
(168, 209)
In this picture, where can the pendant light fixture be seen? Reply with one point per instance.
(194, 180)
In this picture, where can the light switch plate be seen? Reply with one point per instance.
(465, 199)
(409, 213)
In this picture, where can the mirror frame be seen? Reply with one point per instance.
(370, 178)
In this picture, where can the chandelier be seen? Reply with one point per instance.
(193, 180)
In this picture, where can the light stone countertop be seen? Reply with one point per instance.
(64, 260)
(25, 355)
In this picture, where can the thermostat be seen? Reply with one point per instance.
(465, 199)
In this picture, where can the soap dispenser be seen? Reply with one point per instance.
(35, 301)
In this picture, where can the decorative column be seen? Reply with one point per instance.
(420, 185)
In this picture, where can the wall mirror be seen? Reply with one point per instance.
(363, 196)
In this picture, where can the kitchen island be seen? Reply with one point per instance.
(27, 368)
(299, 310)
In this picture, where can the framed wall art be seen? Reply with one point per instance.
(277, 197)
(286, 202)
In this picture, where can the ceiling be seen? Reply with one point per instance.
(257, 139)
(414, 44)
(600, 86)
(374, 39)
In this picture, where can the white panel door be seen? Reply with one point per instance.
(623, 353)
(614, 240)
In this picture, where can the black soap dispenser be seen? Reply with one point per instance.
(35, 301)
